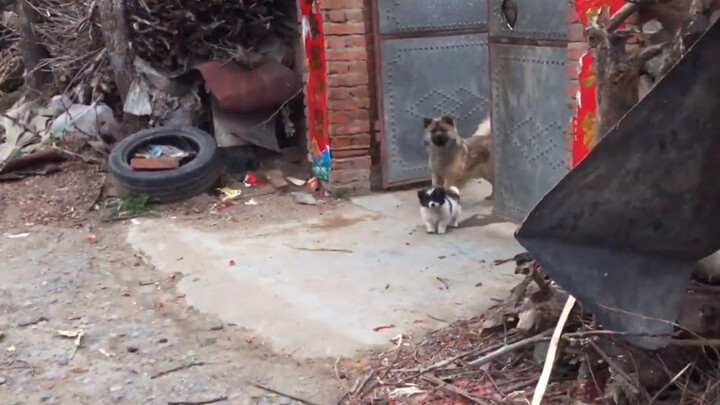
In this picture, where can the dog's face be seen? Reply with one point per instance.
(432, 197)
(439, 131)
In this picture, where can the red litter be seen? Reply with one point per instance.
(313, 184)
(383, 327)
(252, 179)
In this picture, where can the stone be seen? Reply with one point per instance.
(303, 198)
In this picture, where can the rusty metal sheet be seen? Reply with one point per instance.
(623, 230)
(236, 88)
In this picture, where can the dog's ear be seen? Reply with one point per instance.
(448, 120)
(427, 122)
(423, 197)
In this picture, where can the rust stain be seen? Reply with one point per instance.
(337, 223)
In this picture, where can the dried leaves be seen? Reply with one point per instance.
(175, 34)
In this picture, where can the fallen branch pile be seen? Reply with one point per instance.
(11, 66)
(71, 33)
(498, 358)
(174, 34)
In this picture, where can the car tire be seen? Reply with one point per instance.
(190, 179)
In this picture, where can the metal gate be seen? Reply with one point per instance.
(436, 58)
(529, 92)
(433, 60)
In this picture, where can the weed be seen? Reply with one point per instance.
(132, 206)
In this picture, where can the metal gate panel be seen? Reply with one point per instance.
(536, 19)
(396, 16)
(429, 77)
(530, 113)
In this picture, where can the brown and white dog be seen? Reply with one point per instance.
(455, 160)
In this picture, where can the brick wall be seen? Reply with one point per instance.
(351, 106)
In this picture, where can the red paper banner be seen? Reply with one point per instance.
(317, 107)
(585, 118)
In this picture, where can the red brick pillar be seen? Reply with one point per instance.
(351, 113)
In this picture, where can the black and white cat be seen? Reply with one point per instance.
(440, 208)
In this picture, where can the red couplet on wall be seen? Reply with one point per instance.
(585, 118)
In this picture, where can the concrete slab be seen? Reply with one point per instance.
(317, 287)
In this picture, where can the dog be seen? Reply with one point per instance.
(454, 160)
(440, 208)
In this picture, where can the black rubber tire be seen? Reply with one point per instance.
(190, 179)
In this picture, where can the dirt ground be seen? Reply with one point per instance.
(74, 273)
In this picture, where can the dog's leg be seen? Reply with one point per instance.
(437, 180)
(456, 219)
(442, 227)
(427, 219)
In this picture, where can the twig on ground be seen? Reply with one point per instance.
(443, 282)
(201, 402)
(455, 390)
(127, 217)
(671, 382)
(511, 348)
(357, 388)
(33, 322)
(282, 394)
(172, 370)
(503, 261)
(318, 249)
(552, 351)
(612, 363)
(594, 333)
(518, 386)
(435, 318)
(695, 342)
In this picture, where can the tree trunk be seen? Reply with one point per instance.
(116, 34)
(618, 69)
(33, 52)
(618, 79)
